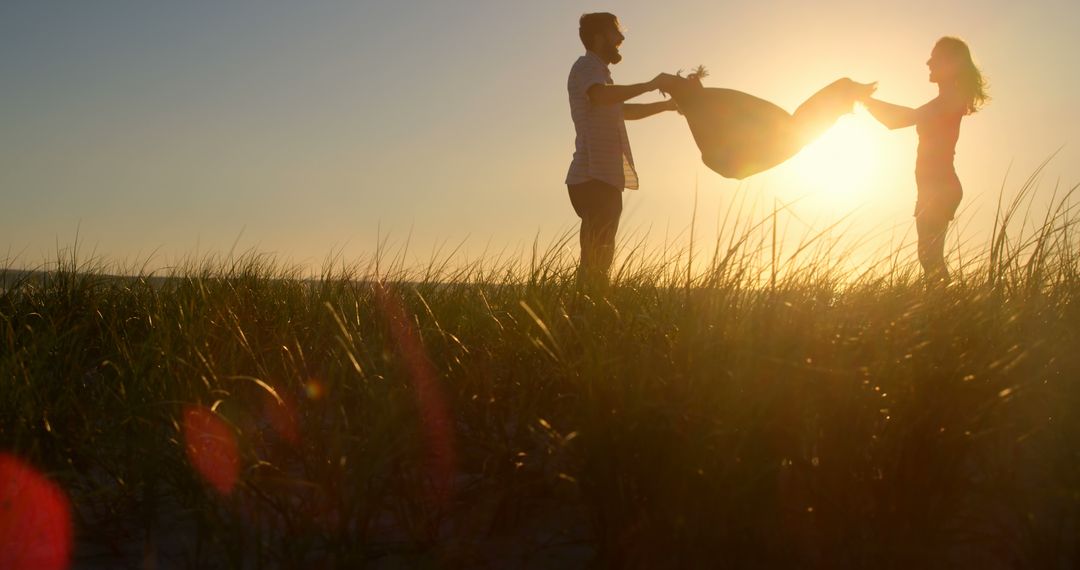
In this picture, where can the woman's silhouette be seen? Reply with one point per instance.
(961, 91)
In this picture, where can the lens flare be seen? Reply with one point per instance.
(35, 520)
(282, 417)
(211, 448)
(314, 389)
(435, 420)
(843, 164)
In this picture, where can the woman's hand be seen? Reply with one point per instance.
(863, 91)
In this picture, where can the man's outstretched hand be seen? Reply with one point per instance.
(635, 111)
(665, 81)
(669, 105)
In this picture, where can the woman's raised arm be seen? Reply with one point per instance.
(892, 116)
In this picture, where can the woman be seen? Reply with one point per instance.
(740, 135)
(961, 91)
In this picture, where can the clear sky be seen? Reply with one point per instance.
(306, 127)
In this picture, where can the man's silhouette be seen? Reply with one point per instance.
(603, 164)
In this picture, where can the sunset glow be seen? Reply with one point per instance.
(488, 284)
(844, 164)
(299, 131)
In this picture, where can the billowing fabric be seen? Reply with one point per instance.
(601, 147)
(740, 135)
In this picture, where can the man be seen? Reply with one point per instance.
(603, 165)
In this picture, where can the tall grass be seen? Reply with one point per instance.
(754, 409)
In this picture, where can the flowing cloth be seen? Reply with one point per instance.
(740, 135)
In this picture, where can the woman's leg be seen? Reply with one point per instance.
(931, 227)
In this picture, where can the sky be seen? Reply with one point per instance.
(155, 131)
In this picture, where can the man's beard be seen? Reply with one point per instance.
(611, 54)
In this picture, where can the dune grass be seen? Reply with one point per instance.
(730, 414)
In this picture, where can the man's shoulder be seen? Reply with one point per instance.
(586, 63)
(587, 70)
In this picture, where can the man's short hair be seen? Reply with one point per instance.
(596, 23)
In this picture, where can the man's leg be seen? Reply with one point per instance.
(599, 206)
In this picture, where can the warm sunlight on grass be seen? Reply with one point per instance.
(843, 163)
(762, 408)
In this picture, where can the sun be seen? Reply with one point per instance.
(842, 165)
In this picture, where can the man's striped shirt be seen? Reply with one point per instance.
(601, 148)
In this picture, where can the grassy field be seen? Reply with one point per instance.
(238, 415)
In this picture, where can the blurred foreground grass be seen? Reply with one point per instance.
(238, 415)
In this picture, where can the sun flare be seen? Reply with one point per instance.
(842, 164)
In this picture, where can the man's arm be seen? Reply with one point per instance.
(603, 94)
(634, 111)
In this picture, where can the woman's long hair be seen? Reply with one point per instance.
(969, 80)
